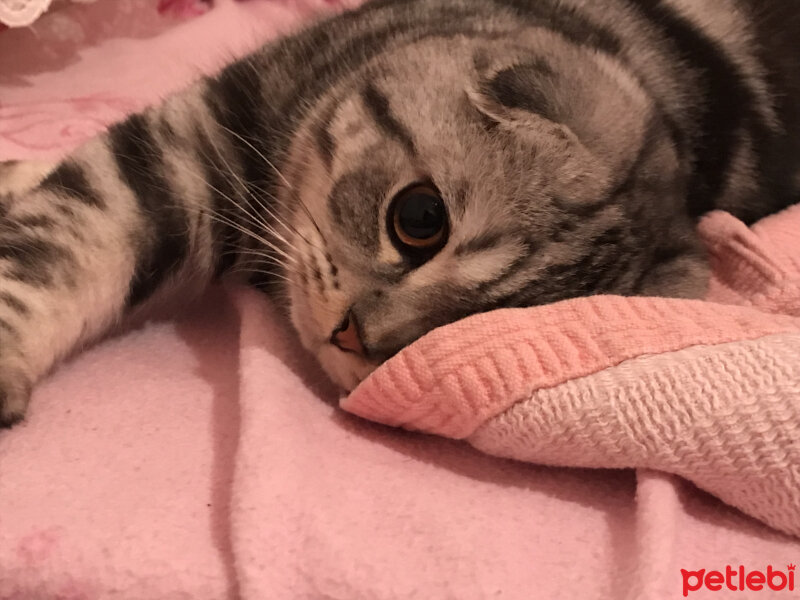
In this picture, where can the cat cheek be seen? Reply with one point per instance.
(305, 313)
(298, 311)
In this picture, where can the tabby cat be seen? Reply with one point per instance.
(412, 162)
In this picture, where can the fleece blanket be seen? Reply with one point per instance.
(203, 455)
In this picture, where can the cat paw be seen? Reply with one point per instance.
(15, 390)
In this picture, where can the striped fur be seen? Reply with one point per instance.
(574, 142)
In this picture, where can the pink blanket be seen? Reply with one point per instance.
(203, 457)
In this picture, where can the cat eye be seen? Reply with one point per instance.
(418, 219)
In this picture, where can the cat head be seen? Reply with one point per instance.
(456, 176)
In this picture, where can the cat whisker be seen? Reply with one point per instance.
(269, 273)
(246, 210)
(203, 208)
(258, 153)
(250, 233)
(242, 207)
(242, 251)
(277, 171)
(230, 172)
(232, 223)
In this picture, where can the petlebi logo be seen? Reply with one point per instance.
(739, 579)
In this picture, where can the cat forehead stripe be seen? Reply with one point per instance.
(377, 105)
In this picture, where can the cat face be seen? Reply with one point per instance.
(454, 177)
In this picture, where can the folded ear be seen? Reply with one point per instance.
(579, 96)
(524, 90)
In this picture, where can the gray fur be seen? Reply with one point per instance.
(574, 143)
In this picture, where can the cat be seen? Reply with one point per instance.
(411, 162)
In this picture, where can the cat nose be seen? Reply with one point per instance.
(347, 337)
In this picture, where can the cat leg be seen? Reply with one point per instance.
(131, 218)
